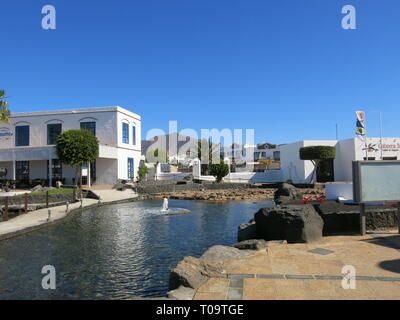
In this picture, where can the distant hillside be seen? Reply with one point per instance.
(163, 142)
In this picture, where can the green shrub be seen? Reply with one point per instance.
(77, 147)
(317, 153)
(219, 170)
(142, 172)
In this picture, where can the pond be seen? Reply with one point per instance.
(117, 251)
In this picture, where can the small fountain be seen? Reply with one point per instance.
(165, 205)
(172, 211)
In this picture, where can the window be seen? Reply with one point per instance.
(21, 136)
(277, 155)
(91, 126)
(389, 158)
(130, 168)
(56, 170)
(134, 135)
(53, 131)
(22, 170)
(125, 132)
(369, 158)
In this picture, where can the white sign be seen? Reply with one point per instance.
(376, 181)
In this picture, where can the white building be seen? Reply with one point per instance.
(340, 169)
(27, 145)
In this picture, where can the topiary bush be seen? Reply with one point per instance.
(219, 170)
(316, 154)
(77, 147)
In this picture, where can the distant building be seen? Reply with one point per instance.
(340, 169)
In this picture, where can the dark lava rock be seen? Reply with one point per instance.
(287, 193)
(253, 244)
(247, 231)
(345, 218)
(294, 223)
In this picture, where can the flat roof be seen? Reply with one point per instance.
(75, 111)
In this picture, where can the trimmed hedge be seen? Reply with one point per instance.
(317, 153)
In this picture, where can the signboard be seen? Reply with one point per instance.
(5, 133)
(3, 172)
(376, 181)
(360, 127)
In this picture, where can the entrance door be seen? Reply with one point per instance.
(325, 171)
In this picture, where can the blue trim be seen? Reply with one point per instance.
(125, 133)
(131, 168)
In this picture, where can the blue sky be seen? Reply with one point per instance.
(284, 68)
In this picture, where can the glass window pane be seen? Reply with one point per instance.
(125, 133)
(21, 136)
(91, 126)
(53, 131)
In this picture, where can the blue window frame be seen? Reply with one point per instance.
(130, 168)
(125, 132)
(134, 135)
(91, 126)
(53, 131)
(21, 136)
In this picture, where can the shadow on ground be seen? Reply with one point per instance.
(391, 265)
(392, 241)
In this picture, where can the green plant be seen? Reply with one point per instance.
(142, 172)
(157, 156)
(219, 170)
(4, 111)
(316, 154)
(77, 147)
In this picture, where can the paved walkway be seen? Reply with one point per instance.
(305, 271)
(37, 219)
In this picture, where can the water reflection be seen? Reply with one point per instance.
(116, 252)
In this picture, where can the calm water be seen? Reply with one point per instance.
(118, 251)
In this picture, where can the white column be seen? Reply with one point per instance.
(88, 175)
(13, 175)
(196, 169)
(50, 171)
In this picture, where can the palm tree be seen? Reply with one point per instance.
(4, 111)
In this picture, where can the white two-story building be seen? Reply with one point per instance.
(27, 145)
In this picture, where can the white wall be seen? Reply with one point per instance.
(345, 154)
(291, 165)
(108, 131)
(255, 177)
(106, 171)
(123, 155)
(106, 121)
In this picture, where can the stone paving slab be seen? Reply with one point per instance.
(292, 272)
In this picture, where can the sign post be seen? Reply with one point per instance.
(375, 181)
(363, 220)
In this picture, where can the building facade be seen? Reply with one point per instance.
(27, 145)
(338, 170)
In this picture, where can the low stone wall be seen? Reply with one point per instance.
(340, 218)
(150, 188)
(16, 200)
